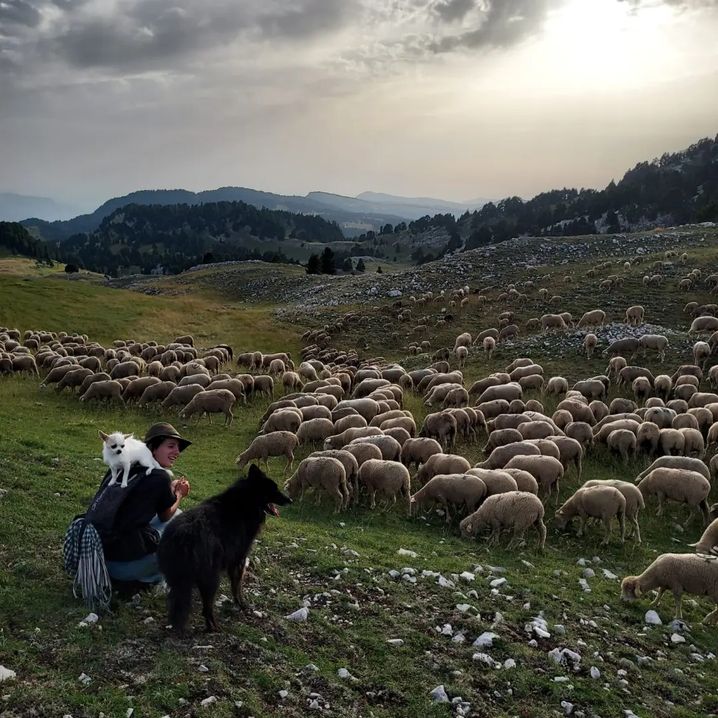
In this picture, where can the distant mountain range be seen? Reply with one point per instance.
(14, 207)
(354, 215)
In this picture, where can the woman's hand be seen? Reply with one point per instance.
(181, 487)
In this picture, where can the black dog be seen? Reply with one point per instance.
(213, 537)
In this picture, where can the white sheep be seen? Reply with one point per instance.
(634, 500)
(321, 473)
(678, 573)
(515, 511)
(457, 490)
(386, 478)
(601, 502)
(680, 485)
(276, 443)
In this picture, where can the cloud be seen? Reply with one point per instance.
(452, 10)
(18, 12)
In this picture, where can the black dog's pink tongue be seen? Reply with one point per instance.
(272, 509)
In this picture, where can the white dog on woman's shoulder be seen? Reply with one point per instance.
(120, 451)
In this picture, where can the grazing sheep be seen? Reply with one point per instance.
(501, 437)
(73, 379)
(590, 342)
(312, 431)
(578, 410)
(641, 388)
(515, 511)
(108, 390)
(594, 318)
(386, 478)
(441, 426)
(458, 490)
(703, 324)
(678, 573)
(489, 345)
(557, 385)
(501, 455)
(362, 452)
(693, 442)
(599, 501)
(680, 485)
(547, 470)
(417, 451)
(351, 468)
(368, 408)
(441, 464)
(622, 442)
(671, 441)
(676, 462)
(570, 452)
(462, 354)
(553, 322)
(708, 542)
(339, 441)
(590, 389)
(323, 474)
(654, 342)
(648, 437)
(203, 380)
(581, 432)
(276, 443)
(524, 480)
(136, 388)
(497, 481)
(211, 401)
(634, 315)
(621, 347)
(389, 446)
(156, 392)
(633, 497)
(285, 419)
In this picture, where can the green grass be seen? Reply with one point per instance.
(50, 467)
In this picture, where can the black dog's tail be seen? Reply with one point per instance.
(179, 605)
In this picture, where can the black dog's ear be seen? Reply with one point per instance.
(255, 473)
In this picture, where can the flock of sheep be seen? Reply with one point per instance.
(366, 443)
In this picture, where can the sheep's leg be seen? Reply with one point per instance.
(339, 500)
(658, 597)
(581, 526)
(636, 529)
(541, 530)
(712, 617)
(229, 417)
(209, 417)
(556, 489)
(606, 525)
(679, 610)
(622, 524)
(372, 499)
(659, 510)
(445, 504)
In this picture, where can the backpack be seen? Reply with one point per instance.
(82, 552)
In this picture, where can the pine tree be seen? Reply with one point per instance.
(327, 263)
(361, 267)
(313, 264)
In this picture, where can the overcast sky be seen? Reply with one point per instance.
(446, 98)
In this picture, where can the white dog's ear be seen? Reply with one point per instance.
(103, 436)
(129, 436)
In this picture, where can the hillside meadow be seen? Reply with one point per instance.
(352, 569)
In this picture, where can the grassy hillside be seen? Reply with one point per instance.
(340, 564)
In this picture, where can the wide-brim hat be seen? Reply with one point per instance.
(163, 430)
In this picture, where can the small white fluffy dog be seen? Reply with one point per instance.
(120, 451)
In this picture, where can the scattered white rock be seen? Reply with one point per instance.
(484, 658)
(595, 673)
(467, 576)
(85, 679)
(485, 640)
(588, 573)
(395, 641)
(344, 674)
(445, 582)
(677, 638)
(6, 674)
(538, 627)
(299, 615)
(88, 620)
(439, 695)
(497, 582)
(567, 707)
(208, 701)
(609, 574)
(583, 583)
(565, 657)
(283, 694)
(652, 618)
(407, 552)
(509, 663)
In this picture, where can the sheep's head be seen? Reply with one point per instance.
(630, 588)
(467, 527)
(560, 519)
